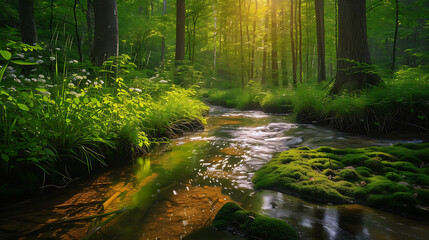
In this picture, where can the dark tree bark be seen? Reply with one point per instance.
(353, 49)
(164, 12)
(396, 35)
(320, 30)
(180, 31)
(77, 31)
(300, 42)
(264, 57)
(241, 44)
(106, 36)
(274, 64)
(27, 22)
(292, 43)
(90, 24)
(252, 65)
(283, 61)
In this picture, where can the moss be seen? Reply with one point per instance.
(329, 172)
(349, 175)
(233, 217)
(333, 164)
(380, 174)
(393, 176)
(374, 164)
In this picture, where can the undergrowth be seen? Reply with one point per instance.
(401, 101)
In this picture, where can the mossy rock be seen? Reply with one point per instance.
(252, 225)
(376, 174)
(349, 175)
(329, 172)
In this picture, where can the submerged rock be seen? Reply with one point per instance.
(232, 217)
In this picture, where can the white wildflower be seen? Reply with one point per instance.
(20, 55)
(87, 74)
(84, 77)
(157, 75)
(27, 80)
(58, 49)
(52, 58)
(10, 68)
(34, 70)
(42, 80)
(50, 86)
(75, 61)
(84, 70)
(17, 80)
(39, 56)
(89, 81)
(40, 61)
(49, 78)
(152, 78)
(101, 82)
(34, 80)
(95, 83)
(163, 81)
(12, 75)
(41, 76)
(71, 61)
(71, 85)
(45, 93)
(12, 89)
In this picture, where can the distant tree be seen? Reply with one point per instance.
(353, 52)
(27, 22)
(164, 12)
(90, 23)
(395, 39)
(320, 30)
(180, 31)
(292, 44)
(274, 64)
(106, 35)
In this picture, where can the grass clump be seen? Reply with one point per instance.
(254, 226)
(375, 176)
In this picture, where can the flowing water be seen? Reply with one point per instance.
(178, 191)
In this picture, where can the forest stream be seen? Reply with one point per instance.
(176, 192)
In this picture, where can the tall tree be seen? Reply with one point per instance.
(90, 23)
(292, 43)
(241, 43)
(274, 64)
(353, 51)
(300, 41)
(395, 39)
(106, 35)
(164, 12)
(27, 22)
(264, 57)
(320, 31)
(180, 31)
(252, 64)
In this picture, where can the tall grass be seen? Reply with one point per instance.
(402, 100)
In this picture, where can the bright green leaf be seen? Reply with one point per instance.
(5, 54)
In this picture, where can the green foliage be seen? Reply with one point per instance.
(232, 216)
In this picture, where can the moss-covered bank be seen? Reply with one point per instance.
(392, 178)
(254, 226)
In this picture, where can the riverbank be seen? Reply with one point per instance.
(400, 104)
(53, 136)
(390, 178)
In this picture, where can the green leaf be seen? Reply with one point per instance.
(49, 152)
(20, 62)
(23, 107)
(5, 157)
(5, 54)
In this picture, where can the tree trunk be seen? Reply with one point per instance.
(180, 31)
(264, 57)
(353, 50)
(252, 67)
(274, 64)
(283, 48)
(320, 30)
(106, 36)
(164, 12)
(76, 29)
(292, 44)
(27, 22)
(90, 24)
(396, 35)
(300, 42)
(241, 44)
